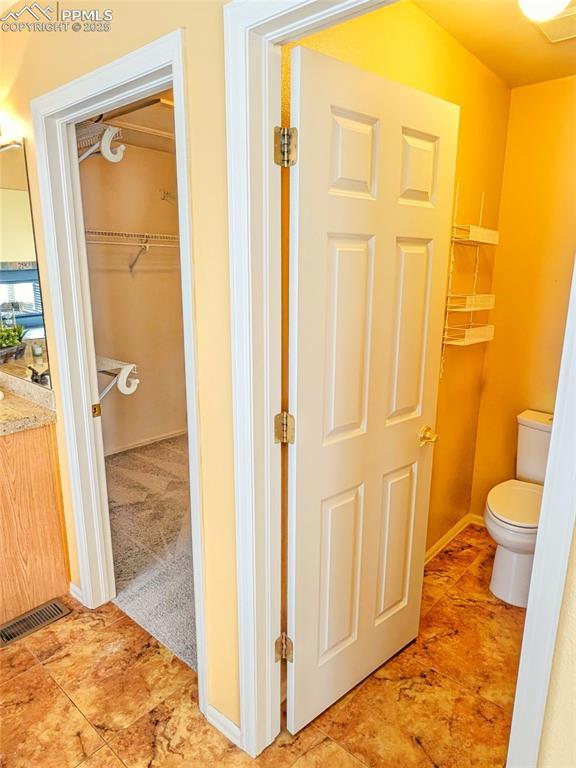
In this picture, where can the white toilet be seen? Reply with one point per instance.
(513, 510)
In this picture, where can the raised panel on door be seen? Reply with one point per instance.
(419, 168)
(371, 201)
(354, 160)
(340, 580)
(412, 289)
(397, 519)
(348, 335)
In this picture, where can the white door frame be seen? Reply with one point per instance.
(253, 32)
(155, 67)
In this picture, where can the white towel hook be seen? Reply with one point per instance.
(127, 385)
(101, 141)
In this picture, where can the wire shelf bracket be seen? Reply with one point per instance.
(121, 373)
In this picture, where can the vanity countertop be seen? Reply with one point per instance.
(18, 414)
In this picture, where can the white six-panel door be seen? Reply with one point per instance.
(371, 205)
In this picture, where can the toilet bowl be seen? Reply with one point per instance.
(511, 516)
(513, 511)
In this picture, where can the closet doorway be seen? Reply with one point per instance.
(127, 164)
(144, 73)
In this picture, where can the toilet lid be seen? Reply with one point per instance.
(516, 502)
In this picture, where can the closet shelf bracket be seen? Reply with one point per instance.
(103, 144)
(121, 374)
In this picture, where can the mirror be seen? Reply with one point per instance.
(23, 351)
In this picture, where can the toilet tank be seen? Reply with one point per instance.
(534, 429)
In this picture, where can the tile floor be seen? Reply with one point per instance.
(152, 541)
(95, 690)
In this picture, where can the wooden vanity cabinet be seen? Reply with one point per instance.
(33, 565)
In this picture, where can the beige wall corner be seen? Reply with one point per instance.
(532, 273)
(137, 316)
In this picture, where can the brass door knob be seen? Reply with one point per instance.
(427, 435)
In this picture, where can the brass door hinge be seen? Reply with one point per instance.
(96, 410)
(285, 146)
(284, 427)
(284, 648)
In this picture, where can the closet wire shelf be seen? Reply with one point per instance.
(471, 302)
(466, 335)
(145, 240)
(108, 237)
(472, 234)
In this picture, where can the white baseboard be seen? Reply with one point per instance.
(224, 725)
(467, 520)
(76, 592)
(147, 441)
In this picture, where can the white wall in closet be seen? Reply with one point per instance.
(137, 314)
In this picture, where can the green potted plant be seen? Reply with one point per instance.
(11, 345)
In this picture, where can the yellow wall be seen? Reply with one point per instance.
(34, 63)
(137, 315)
(532, 273)
(532, 278)
(402, 43)
(558, 745)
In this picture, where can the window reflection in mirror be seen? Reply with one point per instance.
(23, 350)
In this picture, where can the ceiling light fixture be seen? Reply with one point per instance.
(542, 10)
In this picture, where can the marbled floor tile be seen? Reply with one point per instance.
(476, 644)
(40, 726)
(453, 560)
(104, 758)
(14, 659)
(410, 716)
(474, 585)
(434, 587)
(119, 675)
(451, 563)
(477, 535)
(327, 754)
(77, 627)
(176, 735)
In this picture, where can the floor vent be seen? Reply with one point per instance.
(31, 621)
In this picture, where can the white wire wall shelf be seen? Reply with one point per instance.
(471, 302)
(471, 234)
(466, 335)
(109, 237)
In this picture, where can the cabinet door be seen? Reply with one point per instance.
(32, 554)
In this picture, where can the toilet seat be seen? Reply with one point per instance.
(516, 503)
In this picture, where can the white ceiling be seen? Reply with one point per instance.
(499, 34)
